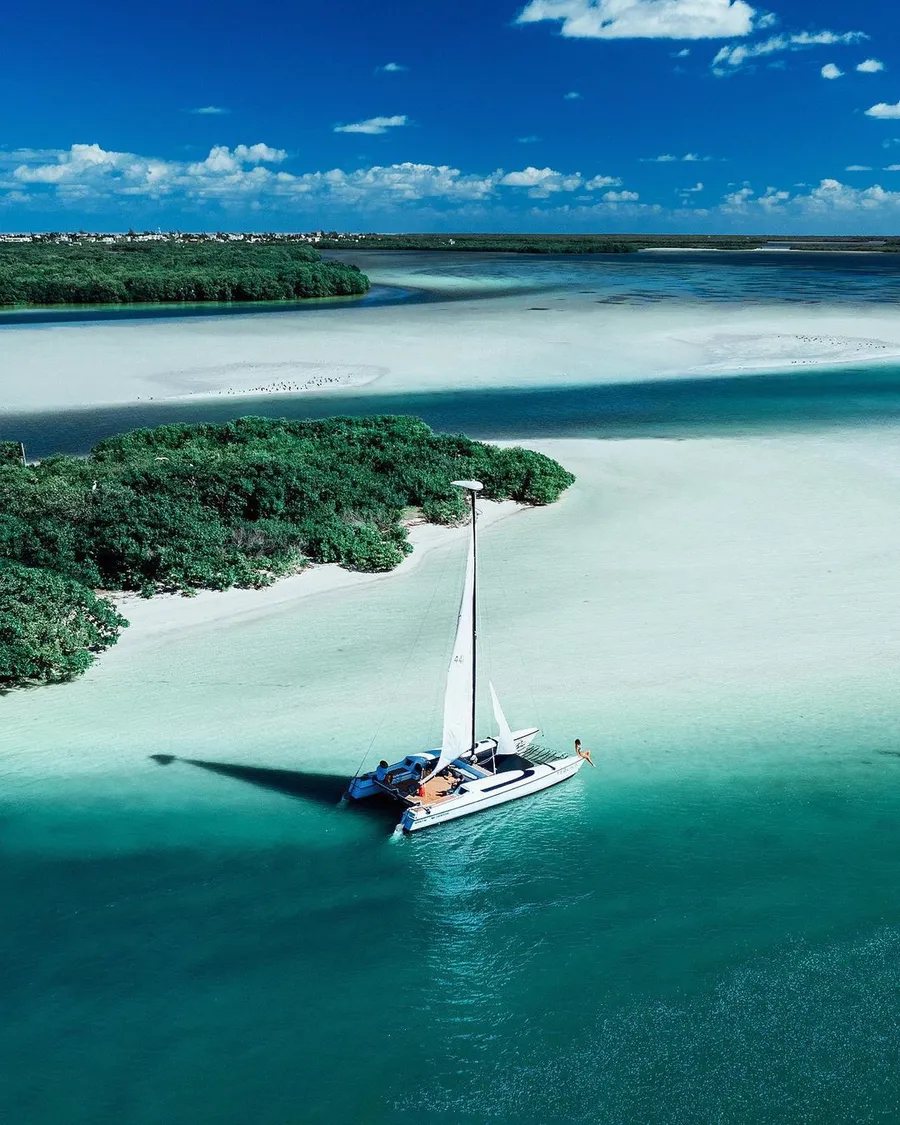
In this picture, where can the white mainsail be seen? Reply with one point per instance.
(458, 693)
(505, 742)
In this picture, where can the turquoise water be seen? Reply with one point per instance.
(817, 399)
(653, 951)
(706, 928)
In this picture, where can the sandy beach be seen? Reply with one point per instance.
(511, 341)
(165, 612)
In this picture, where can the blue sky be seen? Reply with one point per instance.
(568, 115)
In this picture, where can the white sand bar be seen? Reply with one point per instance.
(526, 340)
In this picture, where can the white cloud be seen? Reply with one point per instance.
(682, 54)
(670, 158)
(259, 154)
(542, 182)
(829, 70)
(884, 111)
(375, 126)
(644, 19)
(729, 59)
(691, 190)
(572, 96)
(251, 178)
(222, 159)
(858, 168)
(248, 175)
(844, 205)
(870, 66)
(211, 110)
(390, 68)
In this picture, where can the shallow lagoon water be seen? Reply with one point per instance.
(818, 398)
(704, 928)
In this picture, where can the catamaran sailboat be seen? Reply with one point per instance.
(465, 775)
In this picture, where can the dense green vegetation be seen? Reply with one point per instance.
(50, 626)
(185, 507)
(96, 273)
(11, 452)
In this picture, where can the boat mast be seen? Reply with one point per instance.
(474, 615)
(472, 487)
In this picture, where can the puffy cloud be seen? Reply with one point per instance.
(858, 168)
(390, 68)
(620, 196)
(222, 159)
(729, 59)
(691, 190)
(829, 203)
(870, 66)
(892, 168)
(644, 19)
(829, 70)
(884, 111)
(542, 182)
(682, 54)
(246, 173)
(375, 126)
(259, 154)
(211, 110)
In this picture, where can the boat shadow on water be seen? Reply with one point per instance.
(325, 789)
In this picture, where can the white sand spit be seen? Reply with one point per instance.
(151, 616)
(509, 341)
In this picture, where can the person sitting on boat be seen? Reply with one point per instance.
(586, 754)
(381, 771)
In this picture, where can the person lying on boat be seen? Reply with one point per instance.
(586, 754)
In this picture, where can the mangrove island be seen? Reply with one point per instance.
(185, 507)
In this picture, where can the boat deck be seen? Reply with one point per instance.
(437, 789)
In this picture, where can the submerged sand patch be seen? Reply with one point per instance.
(256, 378)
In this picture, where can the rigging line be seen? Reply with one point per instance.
(526, 676)
(400, 679)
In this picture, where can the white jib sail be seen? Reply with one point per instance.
(505, 743)
(458, 694)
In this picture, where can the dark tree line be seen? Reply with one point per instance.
(59, 273)
(187, 507)
(486, 243)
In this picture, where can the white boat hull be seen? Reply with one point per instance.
(485, 796)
